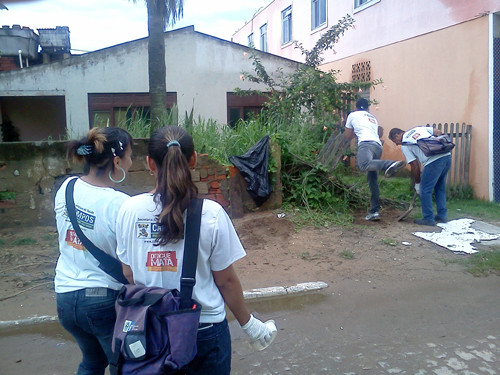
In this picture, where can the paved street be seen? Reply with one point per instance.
(436, 328)
(441, 329)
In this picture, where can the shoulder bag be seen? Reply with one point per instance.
(156, 329)
(110, 265)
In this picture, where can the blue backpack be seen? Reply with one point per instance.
(156, 329)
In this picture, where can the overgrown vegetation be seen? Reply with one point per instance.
(303, 110)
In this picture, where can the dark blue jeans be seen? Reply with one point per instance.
(434, 179)
(89, 315)
(368, 159)
(214, 351)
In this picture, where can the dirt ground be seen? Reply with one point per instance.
(277, 255)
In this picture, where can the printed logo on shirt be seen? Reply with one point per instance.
(159, 261)
(73, 240)
(148, 230)
(84, 219)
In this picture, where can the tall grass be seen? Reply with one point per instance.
(140, 126)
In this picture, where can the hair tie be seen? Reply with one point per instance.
(173, 143)
(84, 150)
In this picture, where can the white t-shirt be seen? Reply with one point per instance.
(219, 247)
(365, 126)
(410, 149)
(97, 209)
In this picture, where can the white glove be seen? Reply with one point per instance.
(417, 188)
(260, 333)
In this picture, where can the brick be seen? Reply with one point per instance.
(214, 185)
(222, 200)
(202, 188)
(195, 175)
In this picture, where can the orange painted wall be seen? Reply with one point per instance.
(438, 77)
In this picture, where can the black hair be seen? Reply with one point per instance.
(171, 148)
(394, 132)
(99, 147)
(362, 104)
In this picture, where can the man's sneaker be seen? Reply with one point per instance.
(374, 216)
(424, 222)
(440, 220)
(394, 167)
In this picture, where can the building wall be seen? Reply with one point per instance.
(201, 69)
(382, 23)
(31, 173)
(439, 77)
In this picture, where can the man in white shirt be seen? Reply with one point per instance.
(433, 176)
(363, 125)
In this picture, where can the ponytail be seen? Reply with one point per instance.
(99, 147)
(171, 148)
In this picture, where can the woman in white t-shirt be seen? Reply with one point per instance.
(85, 293)
(150, 228)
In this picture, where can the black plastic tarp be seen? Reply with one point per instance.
(253, 167)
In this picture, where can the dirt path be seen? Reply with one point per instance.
(277, 255)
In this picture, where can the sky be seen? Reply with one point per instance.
(97, 24)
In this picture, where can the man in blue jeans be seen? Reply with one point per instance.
(363, 125)
(433, 176)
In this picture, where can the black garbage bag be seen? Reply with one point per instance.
(253, 167)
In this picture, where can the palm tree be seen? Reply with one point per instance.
(161, 13)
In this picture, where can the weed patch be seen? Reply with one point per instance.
(389, 241)
(482, 263)
(346, 254)
(24, 242)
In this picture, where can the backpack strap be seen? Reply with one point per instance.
(191, 243)
(110, 265)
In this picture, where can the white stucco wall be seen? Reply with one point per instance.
(200, 68)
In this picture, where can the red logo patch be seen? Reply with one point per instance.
(159, 261)
(73, 240)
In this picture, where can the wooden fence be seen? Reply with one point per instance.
(460, 134)
(458, 177)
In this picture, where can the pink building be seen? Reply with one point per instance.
(439, 61)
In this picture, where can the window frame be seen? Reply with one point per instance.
(108, 102)
(357, 7)
(317, 15)
(243, 105)
(263, 38)
(286, 15)
(251, 42)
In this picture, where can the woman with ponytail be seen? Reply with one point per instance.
(150, 230)
(85, 293)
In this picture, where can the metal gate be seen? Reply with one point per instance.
(496, 119)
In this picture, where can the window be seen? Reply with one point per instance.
(318, 13)
(250, 40)
(115, 109)
(263, 38)
(362, 4)
(286, 25)
(243, 107)
(362, 72)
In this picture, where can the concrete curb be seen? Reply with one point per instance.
(27, 321)
(272, 291)
(284, 290)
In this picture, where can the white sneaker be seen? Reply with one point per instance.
(394, 167)
(374, 216)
